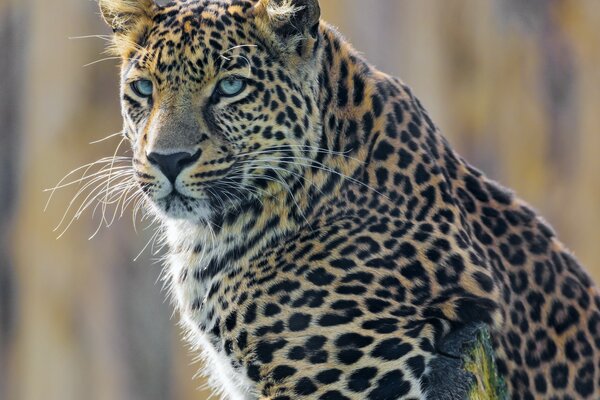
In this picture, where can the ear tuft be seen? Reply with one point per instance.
(293, 17)
(123, 15)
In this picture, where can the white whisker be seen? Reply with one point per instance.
(107, 138)
(101, 60)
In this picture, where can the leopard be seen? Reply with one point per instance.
(324, 239)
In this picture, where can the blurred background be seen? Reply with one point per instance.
(514, 84)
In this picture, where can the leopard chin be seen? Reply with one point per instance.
(176, 206)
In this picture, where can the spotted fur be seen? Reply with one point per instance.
(325, 238)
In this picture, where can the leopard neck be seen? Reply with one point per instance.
(378, 135)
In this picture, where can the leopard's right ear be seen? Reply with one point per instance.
(124, 15)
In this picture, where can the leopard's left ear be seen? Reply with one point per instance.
(123, 15)
(129, 20)
(291, 18)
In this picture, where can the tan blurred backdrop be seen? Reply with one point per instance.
(514, 84)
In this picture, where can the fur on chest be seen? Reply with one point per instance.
(203, 306)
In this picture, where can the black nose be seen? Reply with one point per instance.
(171, 165)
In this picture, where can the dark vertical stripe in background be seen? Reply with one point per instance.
(12, 24)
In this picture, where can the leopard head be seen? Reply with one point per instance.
(219, 98)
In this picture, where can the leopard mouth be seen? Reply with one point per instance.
(225, 196)
(174, 197)
(178, 206)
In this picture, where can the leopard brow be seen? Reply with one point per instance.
(225, 58)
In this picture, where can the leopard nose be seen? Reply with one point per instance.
(171, 165)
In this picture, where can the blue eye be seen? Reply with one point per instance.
(230, 87)
(142, 87)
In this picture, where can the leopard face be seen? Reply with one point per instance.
(213, 118)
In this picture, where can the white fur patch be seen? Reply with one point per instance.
(226, 380)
